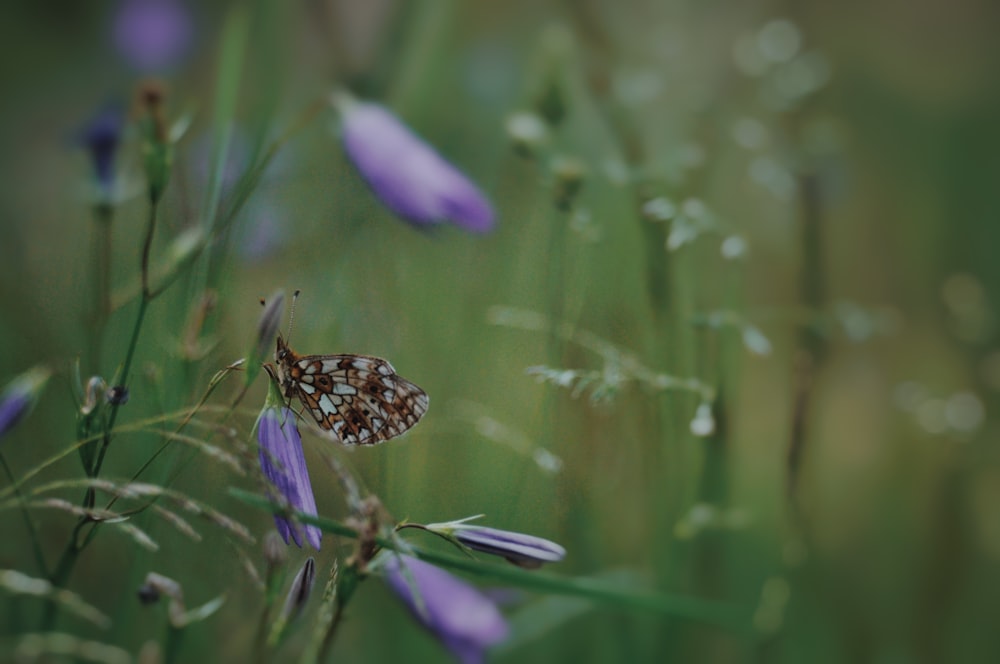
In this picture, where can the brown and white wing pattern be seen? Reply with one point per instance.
(359, 398)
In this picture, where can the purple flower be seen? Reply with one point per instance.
(407, 174)
(284, 466)
(19, 397)
(153, 35)
(464, 619)
(101, 137)
(523, 550)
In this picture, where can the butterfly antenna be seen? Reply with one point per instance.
(291, 314)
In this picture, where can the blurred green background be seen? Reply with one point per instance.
(832, 170)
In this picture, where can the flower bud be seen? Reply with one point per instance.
(20, 396)
(157, 151)
(267, 329)
(522, 550)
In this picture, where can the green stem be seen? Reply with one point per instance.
(324, 648)
(173, 644)
(60, 575)
(812, 344)
(103, 214)
(341, 590)
(126, 367)
(73, 548)
(260, 638)
(144, 301)
(147, 246)
(32, 532)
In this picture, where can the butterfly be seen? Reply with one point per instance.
(359, 398)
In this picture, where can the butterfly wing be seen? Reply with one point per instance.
(359, 398)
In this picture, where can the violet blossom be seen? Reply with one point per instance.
(153, 35)
(465, 620)
(284, 465)
(407, 174)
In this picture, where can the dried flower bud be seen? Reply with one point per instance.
(117, 395)
(528, 133)
(550, 99)
(569, 175)
(96, 388)
(148, 594)
(275, 551)
(157, 151)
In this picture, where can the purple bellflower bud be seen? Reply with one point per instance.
(522, 550)
(407, 174)
(284, 465)
(19, 397)
(101, 137)
(267, 329)
(465, 620)
(153, 35)
(299, 593)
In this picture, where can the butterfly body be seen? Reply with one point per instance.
(360, 399)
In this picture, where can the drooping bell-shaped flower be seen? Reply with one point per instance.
(284, 465)
(465, 620)
(407, 174)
